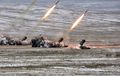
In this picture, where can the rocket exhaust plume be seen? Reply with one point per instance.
(50, 11)
(66, 34)
(78, 21)
(46, 15)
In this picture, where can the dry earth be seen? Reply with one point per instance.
(27, 61)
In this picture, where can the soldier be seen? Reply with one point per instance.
(10, 40)
(3, 40)
(38, 41)
(24, 41)
(34, 42)
(82, 44)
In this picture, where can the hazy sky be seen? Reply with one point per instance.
(71, 4)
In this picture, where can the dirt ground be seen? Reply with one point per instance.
(27, 61)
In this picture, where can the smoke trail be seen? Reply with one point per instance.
(50, 10)
(19, 19)
(48, 13)
(77, 22)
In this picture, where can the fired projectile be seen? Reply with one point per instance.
(86, 11)
(57, 2)
(78, 20)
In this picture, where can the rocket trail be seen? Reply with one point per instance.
(50, 10)
(19, 19)
(75, 24)
(30, 6)
(48, 13)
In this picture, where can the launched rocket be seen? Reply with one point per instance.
(47, 14)
(85, 11)
(78, 21)
(50, 10)
(57, 2)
